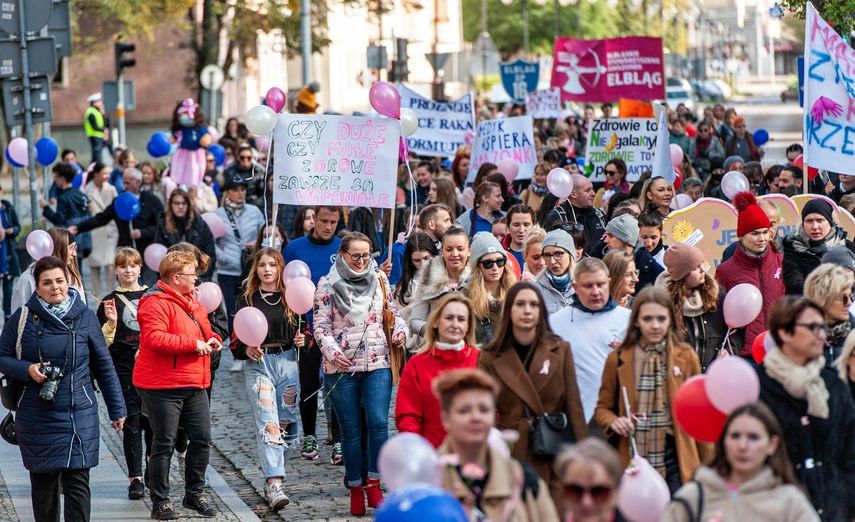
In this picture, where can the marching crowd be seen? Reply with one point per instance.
(565, 323)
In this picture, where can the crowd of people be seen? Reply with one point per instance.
(498, 305)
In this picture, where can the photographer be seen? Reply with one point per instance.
(57, 414)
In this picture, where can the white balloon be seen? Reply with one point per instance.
(260, 120)
(409, 121)
(683, 200)
(733, 183)
(408, 458)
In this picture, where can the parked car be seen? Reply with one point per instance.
(706, 91)
(722, 86)
(674, 96)
(791, 92)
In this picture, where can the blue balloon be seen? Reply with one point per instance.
(77, 181)
(761, 137)
(127, 206)
(580, 162)
(46, 151)
(77, 168)
(159, 144)
(11, 161)
(420, 503)
(219, 153)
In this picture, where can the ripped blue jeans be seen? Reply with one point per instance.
(273, 387)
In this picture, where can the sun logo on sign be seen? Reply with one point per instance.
(611, 144)
(682, 231)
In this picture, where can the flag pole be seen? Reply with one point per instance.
(811, 12)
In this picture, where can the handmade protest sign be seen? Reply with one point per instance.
(336, 160)
(544, 104)
(504, 138)
(788, 213)
(631, 139)
(442, 125)
(829, 122)
(607, 70)
(709, 224)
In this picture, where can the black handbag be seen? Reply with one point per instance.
(548, 433)
(10, 388)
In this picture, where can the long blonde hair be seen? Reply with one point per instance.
(480, 295)
(253, 283)
(431, 334)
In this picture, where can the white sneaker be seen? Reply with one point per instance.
(237, 366)
(275, 496)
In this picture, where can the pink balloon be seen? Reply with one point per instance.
(559, 182)
(18, 151)
(509, 169)
(210, 296)
(385, 99)
(295, 269)
(469, 138)
(153, 255)
(275, 99)
(730, 383)
(215, 223)
(168, 185)
(262, 142)
(683, 201)
(676, 155)
(643, 495)
(300, 295)
(250, 326)
(39, 244)
(733, 183)
(742, 305)
(468, 198)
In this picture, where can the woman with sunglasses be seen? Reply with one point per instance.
(348, 321)
(591, 472)
(624, 276)
(468, 403)
(616, 183)
(830, 286)
(750, 478)
(813, 406)
(491, 279)
(559, 254)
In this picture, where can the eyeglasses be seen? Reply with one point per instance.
(179, 203)
(575, 492)
(488, 263)
(570, 227)
(611, 172)
(557, 255)
(193, 275)
(357, 257)
(847, 299)
(814, 328)
(633, 275)
(211, 160)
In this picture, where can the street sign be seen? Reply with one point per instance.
(36, 12)
(212, 77)
(437, 60)
(205, 103)
(59, 26)
(41, 57)
(368, 77)
(377, 58)
(13, 98)
(110, 96)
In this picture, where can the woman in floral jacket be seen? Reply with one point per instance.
(348, 320)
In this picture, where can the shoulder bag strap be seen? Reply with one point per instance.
(22, 322)
(129, 304)
(231, 217)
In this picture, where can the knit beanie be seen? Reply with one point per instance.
(817, 206)
(680, 259)
(751, 216)
(560, 238)
(485, 243)
(730, 160)
(840, 256)
(625, 228)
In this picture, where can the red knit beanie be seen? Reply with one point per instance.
(751, 216)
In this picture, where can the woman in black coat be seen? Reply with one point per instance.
(813, 406)
(57, 418)
(180, 224)
(11, 227)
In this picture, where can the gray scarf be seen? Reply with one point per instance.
(803, 243)
(61, 309)
(353, 292)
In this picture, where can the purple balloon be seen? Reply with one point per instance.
(275, 99)
(385, 99)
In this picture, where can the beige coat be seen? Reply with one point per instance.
(619, 372)
(505, 475)
(761, 498)
(548, 387)
(104, 239)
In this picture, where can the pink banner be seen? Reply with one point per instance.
(607, 70)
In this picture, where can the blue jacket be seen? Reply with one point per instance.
(72, 207)
(63, 435)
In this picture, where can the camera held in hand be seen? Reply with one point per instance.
(49, 387)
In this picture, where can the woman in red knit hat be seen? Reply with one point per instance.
(742, 143)
(754, 262)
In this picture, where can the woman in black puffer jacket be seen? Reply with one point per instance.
(699, 301)
(181, 224)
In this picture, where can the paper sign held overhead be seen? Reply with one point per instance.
(442, 125)
(501, 139)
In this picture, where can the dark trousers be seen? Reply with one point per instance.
(8, 288)
(167, 410)
(229, 287)
(75, 489)
(97, 145)
(135, 424)
(310, 383)
(672, 466)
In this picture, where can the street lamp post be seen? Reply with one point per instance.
(524, 21)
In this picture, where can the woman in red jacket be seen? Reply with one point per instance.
(449, 344)
(171, 373)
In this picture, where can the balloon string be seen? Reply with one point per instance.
(266, 173)
(727, 341)
(412, 220)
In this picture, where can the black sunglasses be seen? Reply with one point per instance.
(488, 263)
(570, 227)
(575, 492)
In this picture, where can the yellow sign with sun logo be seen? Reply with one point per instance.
(682, 231)
(709, 224)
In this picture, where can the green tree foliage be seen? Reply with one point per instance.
(838, 13)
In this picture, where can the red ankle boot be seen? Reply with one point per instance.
(357, 500)
(372, 490)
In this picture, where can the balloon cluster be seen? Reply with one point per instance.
(261, 119)
(18, 150)
(703, 402)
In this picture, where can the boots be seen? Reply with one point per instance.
(372, 490)
(357, 500)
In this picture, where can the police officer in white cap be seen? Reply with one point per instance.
(95, 124)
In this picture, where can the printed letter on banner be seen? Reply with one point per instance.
(504, 138)
(442, 125)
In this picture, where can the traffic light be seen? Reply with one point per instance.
(399, 69)
(123, 61)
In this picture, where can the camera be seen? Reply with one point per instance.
(54, 376)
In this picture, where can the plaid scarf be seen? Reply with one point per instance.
(655, 416)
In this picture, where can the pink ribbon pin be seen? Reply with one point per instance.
(677, 371)
(545, 369)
